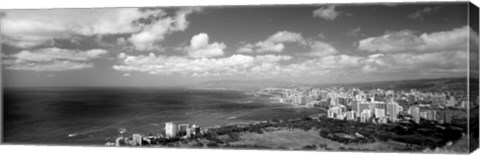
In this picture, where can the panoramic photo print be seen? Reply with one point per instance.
(393, 77)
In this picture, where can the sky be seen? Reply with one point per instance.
(170, 46)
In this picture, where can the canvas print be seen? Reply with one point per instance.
(377, 77)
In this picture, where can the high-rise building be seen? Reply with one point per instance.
(182, 129)
(351, 115)
(379, 113)
(382, 120)
(380, 105)
(118, 141)
(444, 117)
(330, 113)
(341, 116)
(451, 101)
(463, 104)
(170, 129)
(365, 116)
(431, 115)
(392, 111)
(342, 101)
(342, 108)
(358, 106)
(415, 112)
(333, 111)
(195, 129)
(137, 139)
(333, 100)
(411, 99)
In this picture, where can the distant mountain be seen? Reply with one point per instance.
(441, 84)
(246, 84)
(430, 84)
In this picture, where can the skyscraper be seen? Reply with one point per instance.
(137, 139)
(182, 129)
(392, 111)
(379, 113)
(351, 115)
(365, 116)
(170, 129)
(415, 111)
(195, 129)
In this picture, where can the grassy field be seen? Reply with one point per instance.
(297, 139)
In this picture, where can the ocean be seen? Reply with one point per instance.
(93, 116)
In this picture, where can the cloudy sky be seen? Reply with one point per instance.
(170, 46)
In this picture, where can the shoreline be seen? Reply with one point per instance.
(227, 141)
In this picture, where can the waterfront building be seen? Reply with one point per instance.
(126, 140)
(137, 139)
(351, 115)
(118, 141)
(382, 120)
(170, 129)
(415, 112)
(189, 132)
(451, 102)
(431, 115)
(333, 100)
(358, 106)
(361, 97)
(365, 116)
(297, 99)
(463, 104)
(392, 111)
(195, 129)
(342, 108)
(355, 106)
(411, 99)
(380, 105)
(333, 112)
(342, 101)
(379, 113)
(341, 116)
(182, 129)
(444, 117)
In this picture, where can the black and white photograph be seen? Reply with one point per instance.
(321, 77)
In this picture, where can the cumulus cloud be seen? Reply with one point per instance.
(320, 49)
(328, 66)
(420, 13)
(150, 35)
(181, 23)
(52, 59)
(443, 62)
(327, 13)
(32, 28)
(226, 66)
(406, 40)
(27, 41)
(355, 32)
(274, 43)
(246, 48)
(200, 47)
(49, 66)
(285, 36)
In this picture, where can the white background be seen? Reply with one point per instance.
(82, 150)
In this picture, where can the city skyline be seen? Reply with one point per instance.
(169, 46)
